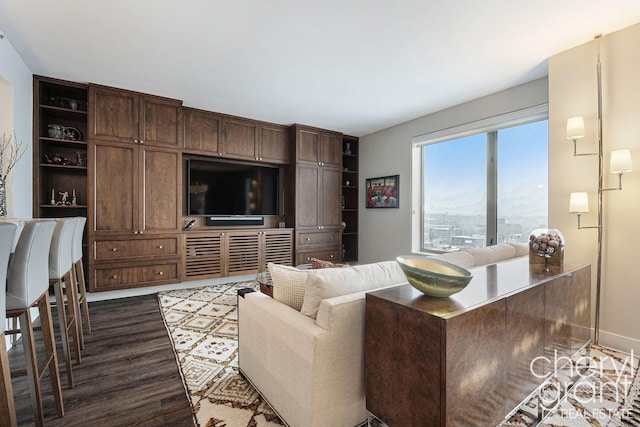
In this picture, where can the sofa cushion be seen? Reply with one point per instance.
(492, 254)
(332, 282)
(522, 249)
(289, 284)
(460, 258)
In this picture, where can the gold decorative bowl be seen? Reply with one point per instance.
(434, 277)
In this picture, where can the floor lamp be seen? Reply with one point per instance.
(579, 202)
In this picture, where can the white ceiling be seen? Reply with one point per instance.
(356, 66)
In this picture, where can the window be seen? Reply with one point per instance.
(485, 188)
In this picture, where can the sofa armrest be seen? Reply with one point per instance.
(312, 376)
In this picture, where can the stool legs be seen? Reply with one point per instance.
(7, 404)
(67, 321)
(82, 299)
(33, 371)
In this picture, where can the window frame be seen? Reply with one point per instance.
(489, 126)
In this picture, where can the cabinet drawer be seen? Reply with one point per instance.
(326, 254)
(123, 277)
(325, 238)
(114, 249)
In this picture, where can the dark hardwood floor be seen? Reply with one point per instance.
(128, 375)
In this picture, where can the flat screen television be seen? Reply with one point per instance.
(231, 189)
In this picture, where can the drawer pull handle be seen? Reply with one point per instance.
(160, 247)
(114, 249)
(114, 277)
(308, 238)
(331, 256)
(136, 232)
(160, 273)
(141, 232)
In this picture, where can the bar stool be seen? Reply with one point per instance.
(60, 270)
(78, 268)
(28, 286)
(7, 404)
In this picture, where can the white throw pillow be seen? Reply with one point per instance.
(333, 282)
(289, 284)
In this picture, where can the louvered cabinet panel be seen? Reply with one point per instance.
(242, 252)
(278, 247)
(203, 256)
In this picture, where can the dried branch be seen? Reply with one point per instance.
(11, 150)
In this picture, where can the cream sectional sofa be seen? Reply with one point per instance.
(309, 363)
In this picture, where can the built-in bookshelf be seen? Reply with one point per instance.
(350, 198)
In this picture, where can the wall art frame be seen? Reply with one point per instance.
(383, 192)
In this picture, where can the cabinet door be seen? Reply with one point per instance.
(161, 122)
(113, 114)
(277, 247)
(115, 187)
(240, 138)
(330, 194)
(160, 189)
(307, 146)
(274, 144)
(331, 149)
(202, 131)
(202, 256)
(307, 197)
(242, 250)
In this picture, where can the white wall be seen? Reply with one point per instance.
(17, 81)
(386, 233)
(572, 92)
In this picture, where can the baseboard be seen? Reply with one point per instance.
(619, 342)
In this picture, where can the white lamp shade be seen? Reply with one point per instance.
(575, 128)
(621, 161)
(579, 203)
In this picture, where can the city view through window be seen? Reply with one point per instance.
(455, 188)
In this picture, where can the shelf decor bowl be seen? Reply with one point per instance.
(434, 277)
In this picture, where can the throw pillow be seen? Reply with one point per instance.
(333, 282)
(319, 263)
(289, 284)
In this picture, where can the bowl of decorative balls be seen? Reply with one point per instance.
(547, 243)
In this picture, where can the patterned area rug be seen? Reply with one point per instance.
(202, 324)
(605, 395)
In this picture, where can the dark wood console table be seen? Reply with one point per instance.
(465, 360)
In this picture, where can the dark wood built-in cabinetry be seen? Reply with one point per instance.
(350, 198)
(60, 148)
(121, 165)
(219, 253)
(60, 184)
(317, 194)
(228, 137)
(135, 168)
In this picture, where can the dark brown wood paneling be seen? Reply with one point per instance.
(115, 184)
(162, 192)
(114, 114)
(331, 149)
(307, 198)
(274, 144)
(308, 145)
(202, 131)
(161, 124)
(240, 138)
(330, 197)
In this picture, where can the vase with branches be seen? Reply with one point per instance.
(11, 150)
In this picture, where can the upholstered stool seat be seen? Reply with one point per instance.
(7, 405)
(28, 286)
